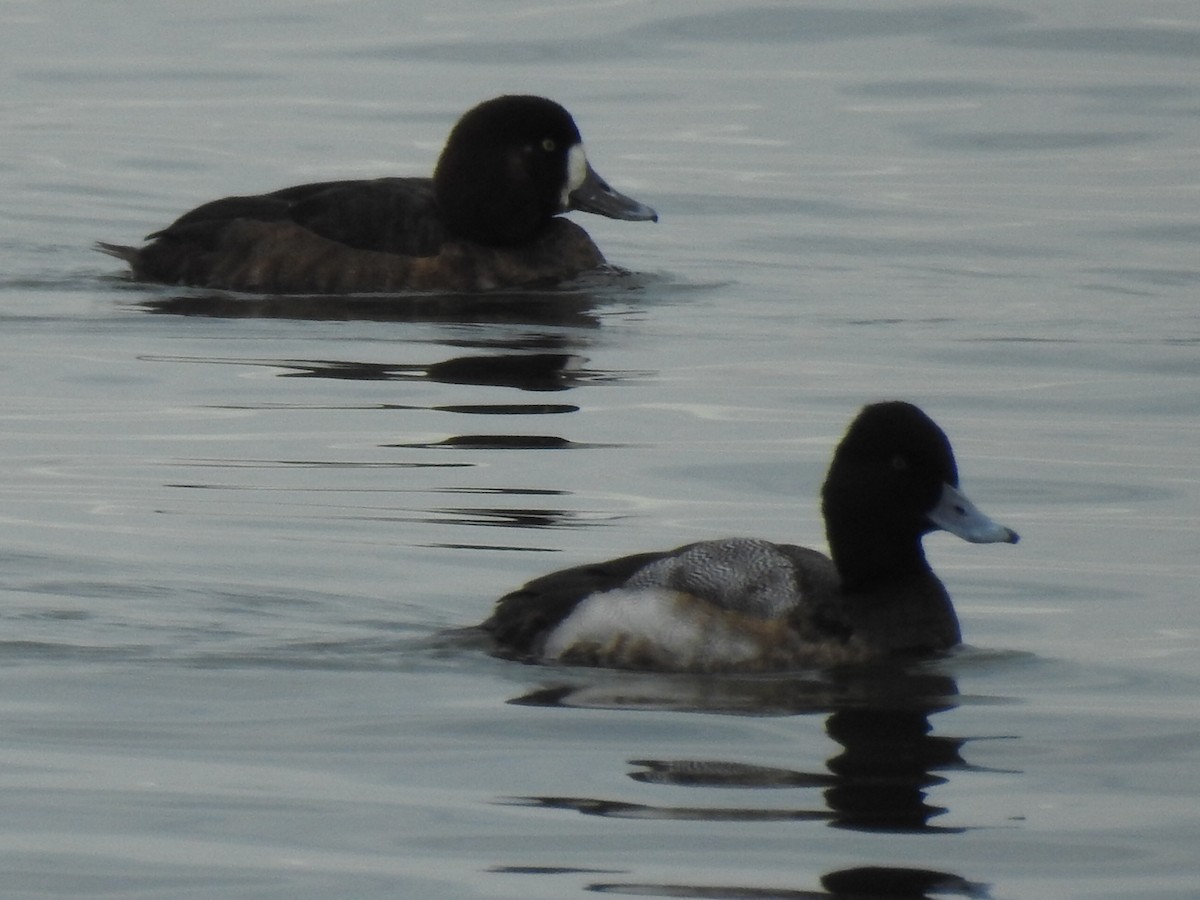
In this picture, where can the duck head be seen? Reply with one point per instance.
(511, 164)
(893, 480)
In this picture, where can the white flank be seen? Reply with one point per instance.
(650, 623)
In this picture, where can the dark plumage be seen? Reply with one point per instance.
(747, 604)
(486, 219)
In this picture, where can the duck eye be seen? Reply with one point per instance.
(899, 463)
(548, 145)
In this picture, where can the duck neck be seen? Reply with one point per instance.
(866, 561)
(895, 600)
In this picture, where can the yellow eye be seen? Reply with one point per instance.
(548, 145)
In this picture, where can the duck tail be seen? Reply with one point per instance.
(120, 251)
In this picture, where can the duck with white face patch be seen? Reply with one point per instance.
(488, 218)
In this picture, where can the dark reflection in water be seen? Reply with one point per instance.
(888, 762)
(503, 442)
(503, 409)
(877, 782)
(784, 694)
(526, 371)
(514, 518)
(865, 883)
(523, 371)
(573, 309)
(572, 305)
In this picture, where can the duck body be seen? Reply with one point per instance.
(488, 218)
(744, 604)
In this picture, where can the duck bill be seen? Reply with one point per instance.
(595, 196)
(958, 515)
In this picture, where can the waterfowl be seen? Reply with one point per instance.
(743, 604)
(488, 218)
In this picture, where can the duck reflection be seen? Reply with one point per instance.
(889, 758)
(864, 883)
(573, 306)
(877, 782)
(524, 371)
(536, 363)
(533, 372)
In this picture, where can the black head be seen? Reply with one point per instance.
(887, 476)
(512, 163)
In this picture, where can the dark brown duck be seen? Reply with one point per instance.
(488, 218)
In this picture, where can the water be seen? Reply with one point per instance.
(229, 543)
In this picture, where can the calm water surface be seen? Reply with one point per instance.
(232, 530)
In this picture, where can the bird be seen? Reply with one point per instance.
(489, 218)
(748, 605)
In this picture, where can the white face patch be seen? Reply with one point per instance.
(577, 166)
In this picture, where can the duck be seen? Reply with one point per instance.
(743, 604)
(489, 218)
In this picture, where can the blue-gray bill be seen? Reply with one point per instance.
(958, 515)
